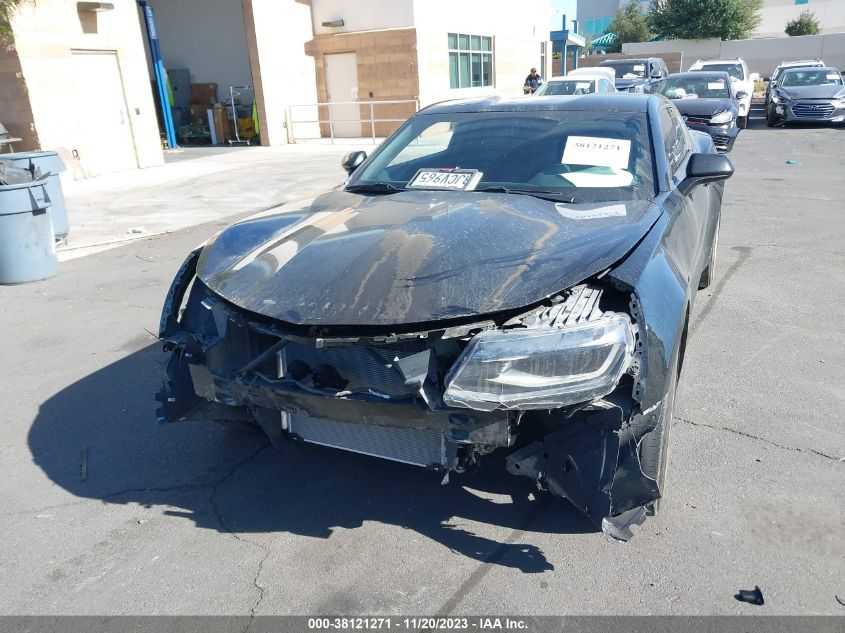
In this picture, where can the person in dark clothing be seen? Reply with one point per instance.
(532, 82)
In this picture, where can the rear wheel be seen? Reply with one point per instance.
(708, 273)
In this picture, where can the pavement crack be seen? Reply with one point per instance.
(758, 438)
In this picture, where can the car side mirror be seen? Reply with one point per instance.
(703, 168)
(352, 161)
(741, 94)
(767, 78)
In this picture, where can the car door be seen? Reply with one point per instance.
(687, 238)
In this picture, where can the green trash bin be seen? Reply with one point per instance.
(50, 164)
(27, 244)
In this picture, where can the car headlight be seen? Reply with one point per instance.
(779, 98)
(722, 117)
(541, 369)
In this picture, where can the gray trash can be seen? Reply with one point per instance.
(27, 244)
(49, 163)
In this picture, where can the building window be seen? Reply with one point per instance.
(470, 60)
(542, 66)
(596, 26)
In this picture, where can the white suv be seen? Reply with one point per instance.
(742, 79)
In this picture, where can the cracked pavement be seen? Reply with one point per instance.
(200, 519)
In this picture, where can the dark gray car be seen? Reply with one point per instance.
(500, 275)
(637, 75)
(708, 102)
(808, 95)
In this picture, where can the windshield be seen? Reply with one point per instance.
(692, 87)
(780, 70)
(823, 77)
(570, 87)
(581, 156)
(633, 69)
(734, 70)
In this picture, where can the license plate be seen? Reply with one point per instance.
(453, 179)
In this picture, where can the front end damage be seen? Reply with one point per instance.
(438, 397)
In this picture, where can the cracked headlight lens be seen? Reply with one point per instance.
(722, 117)
(541, 369)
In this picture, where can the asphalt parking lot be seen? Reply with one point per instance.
(105, 512)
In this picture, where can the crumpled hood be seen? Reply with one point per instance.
(415, 256)
(812, 92)
(702, 107)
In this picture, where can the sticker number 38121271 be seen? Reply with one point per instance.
(596, 152)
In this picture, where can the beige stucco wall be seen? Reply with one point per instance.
(282, 73)
(776, 13)
(517, 29)
(362, 15)
(762, 55)
(45, 33)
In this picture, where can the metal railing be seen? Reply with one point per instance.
(290, 121)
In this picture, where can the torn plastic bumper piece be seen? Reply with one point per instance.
(594, 464)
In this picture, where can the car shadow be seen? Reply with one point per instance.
(98, 439)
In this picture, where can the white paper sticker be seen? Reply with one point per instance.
(832, 77)
(715, 85)
(595, 151)
(574, 213)
(639, 67)
(583, 85)
(609, 178)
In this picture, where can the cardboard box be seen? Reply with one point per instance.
(221, 124)
(204, 94)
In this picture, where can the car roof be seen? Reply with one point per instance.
(577, 78)
(801, 62)
(626, 102)
(608, 62)
(719, 61)
(815, 68)
(698, 74)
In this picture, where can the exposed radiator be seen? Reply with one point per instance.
(420, 447)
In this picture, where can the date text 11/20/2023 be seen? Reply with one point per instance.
(417, 623)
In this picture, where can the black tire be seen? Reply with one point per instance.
(742, 122)
(771, 119)
(654, 448)
(709, 272)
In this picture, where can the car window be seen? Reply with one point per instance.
(674, 138)
(567, 87)
(606, 86)
(629, 69)
(695, 87)
(600, 157)
(733, 69)
(431, 140)
(811, 77)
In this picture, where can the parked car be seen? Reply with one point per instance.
(708, 102)
(738, 70)
(500, 274)
(812, 95)
(773, 80)
(636, 75)
(580, 84)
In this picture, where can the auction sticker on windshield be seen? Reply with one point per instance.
(454, 179)
(596, 151)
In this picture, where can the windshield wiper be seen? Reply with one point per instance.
(374, 187)
(555, 196)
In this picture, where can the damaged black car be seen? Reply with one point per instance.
(499, 275)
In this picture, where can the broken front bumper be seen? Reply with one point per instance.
(226, 366)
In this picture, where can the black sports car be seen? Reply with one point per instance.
(499, 274)
(708, 103)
